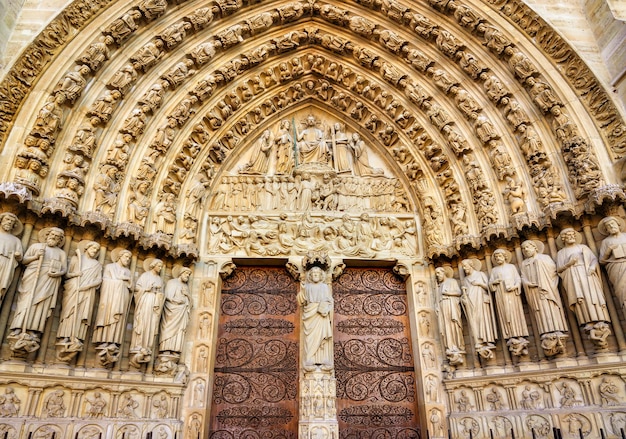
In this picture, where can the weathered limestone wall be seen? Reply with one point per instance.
(608, 26)
(9, 11)
(595, 32)
(21, 21)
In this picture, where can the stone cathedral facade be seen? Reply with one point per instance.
(239, 219)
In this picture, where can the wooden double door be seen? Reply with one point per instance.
(255, 392)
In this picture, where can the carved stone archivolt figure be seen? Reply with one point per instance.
(149, 299)
(113, 307)
(450, 321)
(45, 263)
(478, 307)
(613, 254)
(83, 279)
(317, 307)
(165, 214)
(11, 250)
(540, 281)
(506, 283)
(578, 268)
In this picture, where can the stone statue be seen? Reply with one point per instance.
(312, 147)
(317, 307)
(540, 282)
(361, 165)
(578, 268)
(194, 426)
(161, 406)
(609, 392)
(11, 250)
(450, 315)
(106, 187)
(45, 263)
(260, 160)
(83, 279)
(341, 148)
(175, 311)
(113, 307)
(284, 148)
(9, 404)
(613, 254)
(506, 283)
(148, 306)
(478, 307)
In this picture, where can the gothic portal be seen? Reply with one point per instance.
(235, 219)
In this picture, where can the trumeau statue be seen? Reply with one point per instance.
(540, 281)
(506, 284)
(45, 263)
(11, 250)
(450, 315)
(149, 300)
(113, 307)
(316, 300)
(613, 254)
(478, 307)
(84, 276)
(578, 268)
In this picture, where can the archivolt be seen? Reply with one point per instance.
(496, 106)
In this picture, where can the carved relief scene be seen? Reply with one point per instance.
(308, 183)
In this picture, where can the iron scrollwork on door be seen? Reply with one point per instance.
(256, 363)
(373, 359)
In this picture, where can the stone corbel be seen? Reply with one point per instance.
(294, 271)
(403, 270)
(338, 270)
(227, 269)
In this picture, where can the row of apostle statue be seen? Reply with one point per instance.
(161, 309)
(497, 297)
(492, 303)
